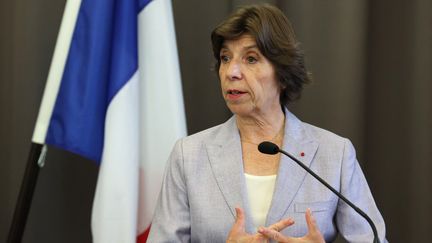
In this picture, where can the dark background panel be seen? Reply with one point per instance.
(371, 64)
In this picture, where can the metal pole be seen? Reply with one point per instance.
(34, 163)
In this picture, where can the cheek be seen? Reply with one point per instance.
(273, 84)
(222, 70)
(220, 73)
(275, 93)
(276, 87)
(269, 89)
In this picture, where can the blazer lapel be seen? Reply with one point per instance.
(290, 175)
(225, 157)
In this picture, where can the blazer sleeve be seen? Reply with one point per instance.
(353, 227)
(171, 220)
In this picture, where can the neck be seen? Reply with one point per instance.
(262, 127)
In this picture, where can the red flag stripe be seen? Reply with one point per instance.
(142, 238)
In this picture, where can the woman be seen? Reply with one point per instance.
(218, 187)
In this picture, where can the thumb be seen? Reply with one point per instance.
(240, 221)
(238, 229)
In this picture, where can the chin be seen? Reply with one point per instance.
(241, 109)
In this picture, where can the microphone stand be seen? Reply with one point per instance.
(358, 210)
(274, 149)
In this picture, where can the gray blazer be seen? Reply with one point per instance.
(204, 182)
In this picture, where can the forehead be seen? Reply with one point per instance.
(244, 42)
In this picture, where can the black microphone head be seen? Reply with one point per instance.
(268, 148)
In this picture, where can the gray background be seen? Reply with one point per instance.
(372, 66)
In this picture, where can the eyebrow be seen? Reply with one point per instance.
(251, 47)
(244, 48)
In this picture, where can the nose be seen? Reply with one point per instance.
(234, 70)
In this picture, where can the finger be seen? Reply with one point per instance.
(273, 234)
(311, 222)
(239, 223)
(260, 238)
(279, 226)
(314, 232)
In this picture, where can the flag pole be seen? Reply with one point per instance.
(36, 157)
(35, 161)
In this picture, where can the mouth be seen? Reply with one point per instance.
(235, 92)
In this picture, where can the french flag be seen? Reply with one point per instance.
(114, 95)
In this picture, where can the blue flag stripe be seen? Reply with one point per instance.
(102, 58)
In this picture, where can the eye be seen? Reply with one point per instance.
(224, 58)
(251, 60)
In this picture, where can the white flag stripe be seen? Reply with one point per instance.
(55, 73)
(116, 200)
(163, 117)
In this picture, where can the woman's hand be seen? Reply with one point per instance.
(238, 233)
(313, 235)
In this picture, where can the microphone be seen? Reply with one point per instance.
(271, 148)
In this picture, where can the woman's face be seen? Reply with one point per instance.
(248, 79)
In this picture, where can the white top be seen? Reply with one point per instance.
(260, 192)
